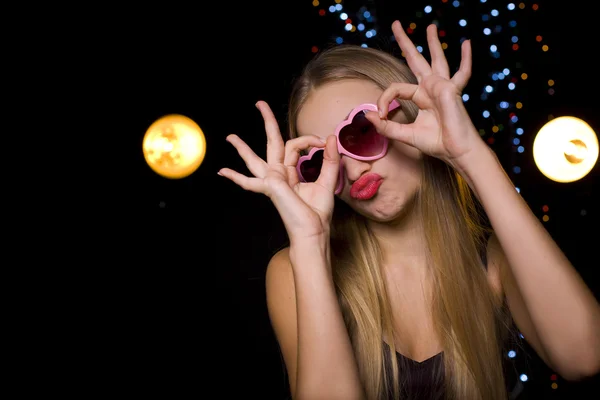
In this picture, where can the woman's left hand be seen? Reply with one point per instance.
(442, 128)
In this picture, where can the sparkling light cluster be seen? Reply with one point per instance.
(500, 97)
(500, 101)
(362, 23)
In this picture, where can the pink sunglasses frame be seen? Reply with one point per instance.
(367, 106)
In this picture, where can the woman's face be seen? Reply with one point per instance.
(399, 169)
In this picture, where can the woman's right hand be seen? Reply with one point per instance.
(305, 208)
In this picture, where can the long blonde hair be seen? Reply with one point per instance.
(468, 319)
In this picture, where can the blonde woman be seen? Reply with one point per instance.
(400, 290)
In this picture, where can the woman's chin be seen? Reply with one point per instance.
(388, 211)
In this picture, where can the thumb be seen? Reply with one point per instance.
(331, 165)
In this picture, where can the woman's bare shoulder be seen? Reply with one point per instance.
(280, 268)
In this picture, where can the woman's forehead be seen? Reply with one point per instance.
(330, 104)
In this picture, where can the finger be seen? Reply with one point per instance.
(392, 129)
(275, 150)
(397, 90)
(330, 170)
(417, 63)
(252, 184)
(439, 64)
(256, 165)
(293, 147)
(462, 76)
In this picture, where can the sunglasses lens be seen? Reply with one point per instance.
(310, 169)
(361, 137)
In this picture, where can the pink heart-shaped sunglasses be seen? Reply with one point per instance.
(356, 138)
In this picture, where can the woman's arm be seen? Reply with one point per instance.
(308, 323)
(550, 302)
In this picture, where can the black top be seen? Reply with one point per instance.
(420, 380)
(425, 380)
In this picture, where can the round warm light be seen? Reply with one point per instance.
(565, 149)
(174, 146)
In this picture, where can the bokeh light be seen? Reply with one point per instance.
(174, 146)
(565, 149)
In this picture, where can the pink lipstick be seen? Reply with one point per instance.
(366, 186)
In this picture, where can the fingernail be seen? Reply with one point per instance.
(380, 113)
(219, 173)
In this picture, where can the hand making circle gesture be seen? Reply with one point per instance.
(305, 208)
(442, 128)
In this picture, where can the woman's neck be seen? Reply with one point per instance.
(403, 241)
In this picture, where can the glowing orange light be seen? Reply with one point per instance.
(412, 25)
(521, 5)
(523, 76)
(174, 146)
(545, 47)
(515, 47)
(538, 38)
(550, 82)
(519, 105)
(545, 218)
(535, 7)
(444, 46)
(315, 3)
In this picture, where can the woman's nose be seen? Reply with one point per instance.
(354, 168)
